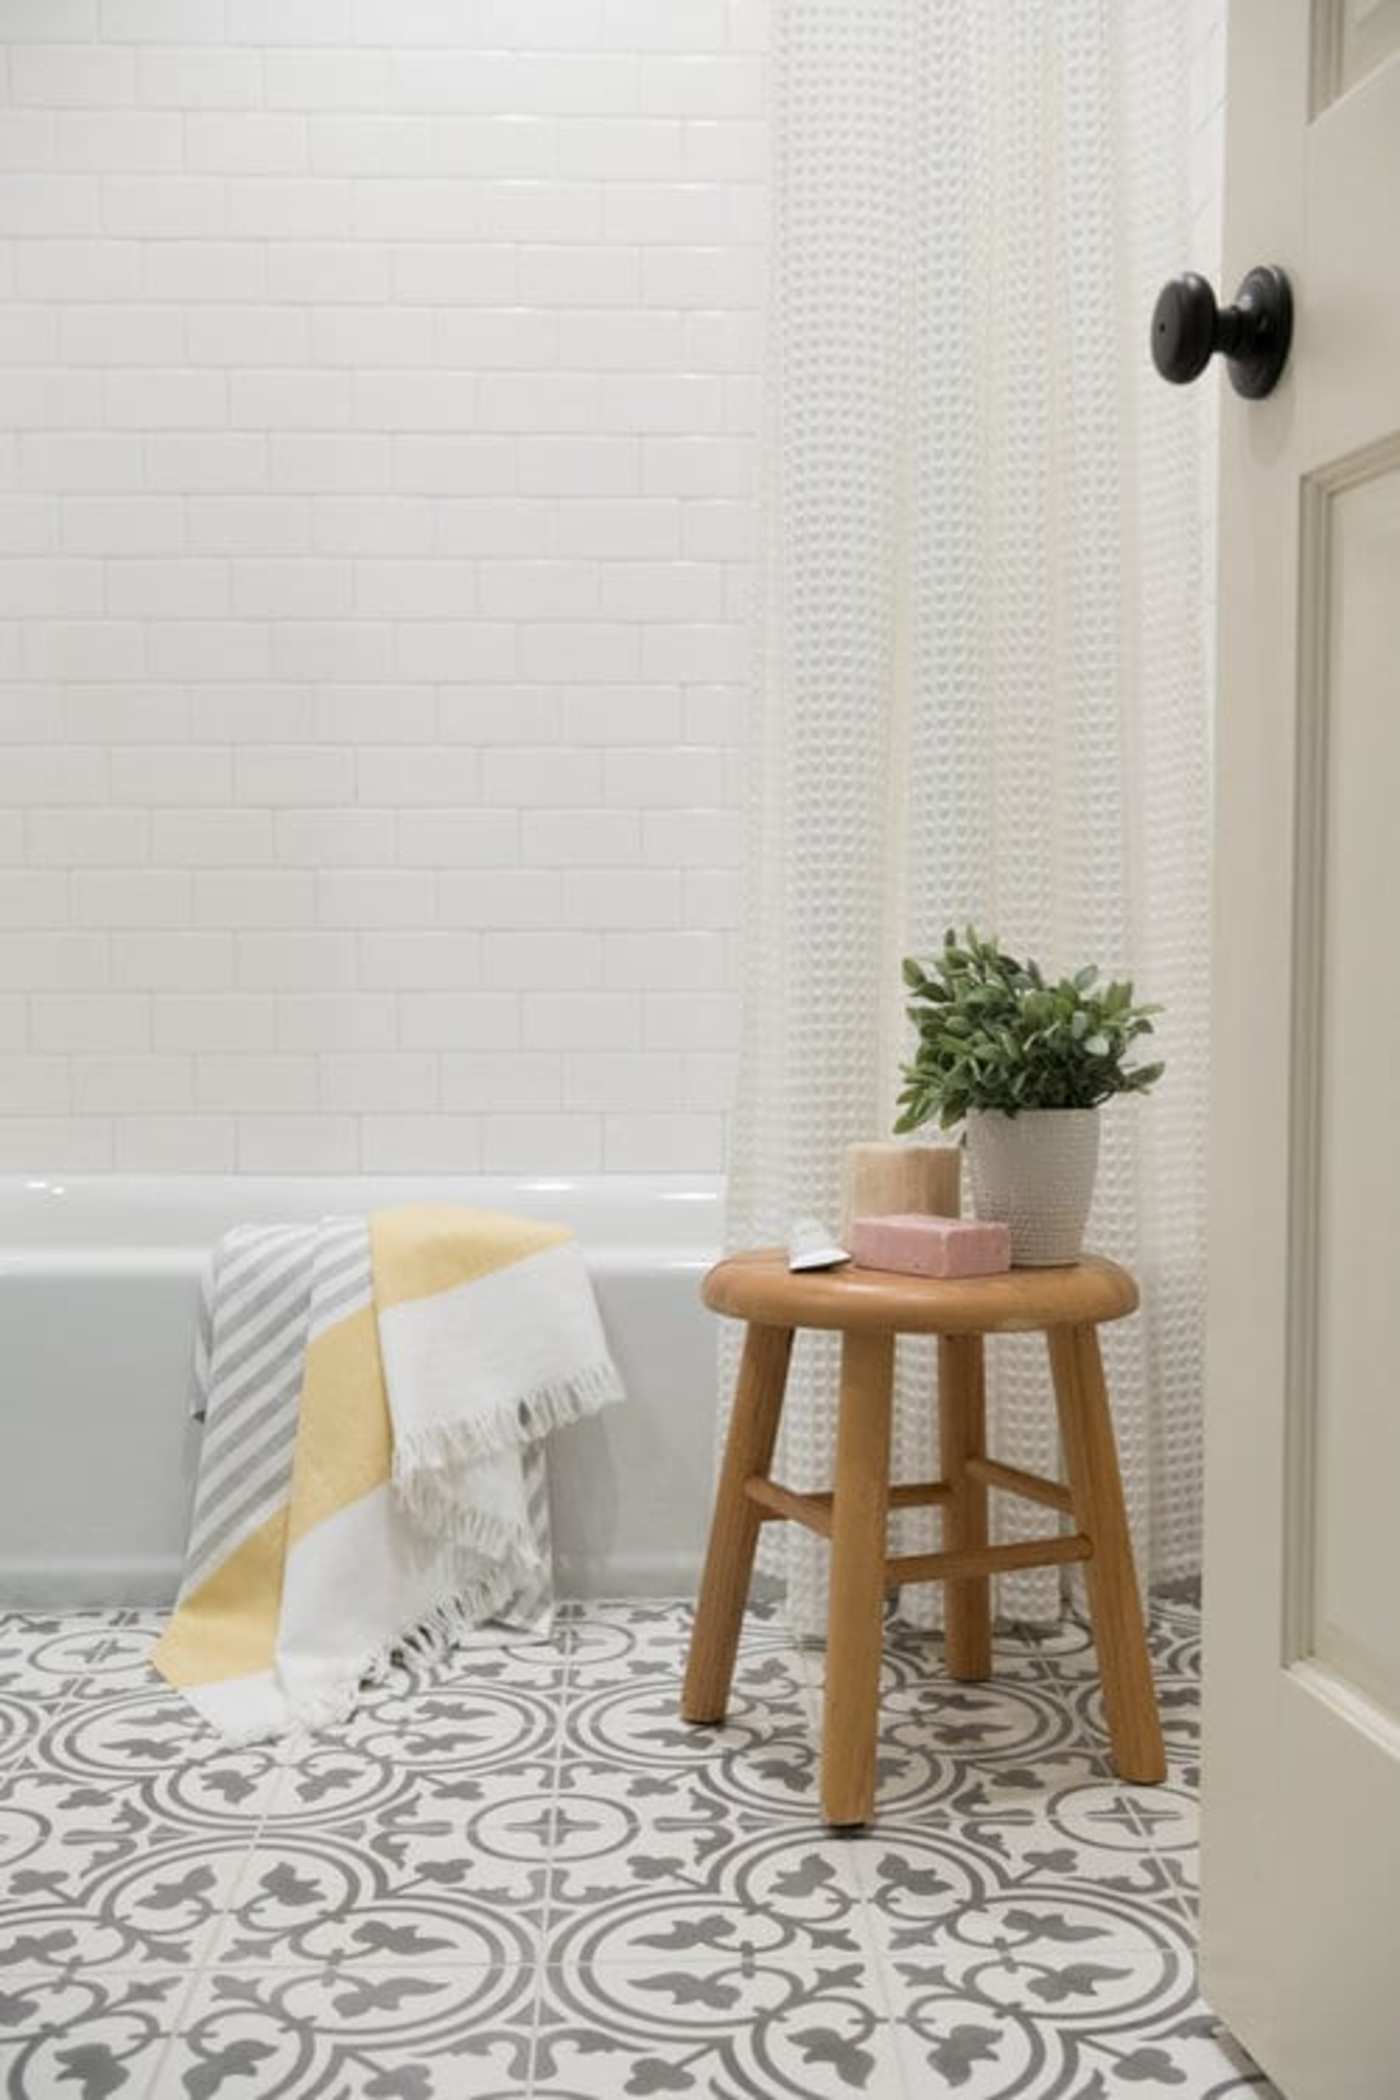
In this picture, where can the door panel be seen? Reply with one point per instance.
(1344, 1573)
(1301, 1767)
(1351, 38)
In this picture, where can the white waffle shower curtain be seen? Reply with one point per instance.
(981, 689)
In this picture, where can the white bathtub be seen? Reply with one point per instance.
(98, 1285)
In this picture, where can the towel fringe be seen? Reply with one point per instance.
(422, 1651)
(472, 1534)
(425, 1457)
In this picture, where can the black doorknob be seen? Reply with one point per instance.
(1253, 335)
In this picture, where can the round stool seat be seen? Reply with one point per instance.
(760, 1287)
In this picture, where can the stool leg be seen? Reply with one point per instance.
(962, 1434)
(1091, 1459)
(734, 1527)
(855, 1610)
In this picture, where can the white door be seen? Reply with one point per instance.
(1301, 1843)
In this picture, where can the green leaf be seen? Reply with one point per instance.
(990, 1032)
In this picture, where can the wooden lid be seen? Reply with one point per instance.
(759, 1286)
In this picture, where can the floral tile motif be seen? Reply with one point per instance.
(528, 1879)
(764, 1755)
(1078, 1956)
(150, 1746)
(73, 2031)
(922, 1887)
(1178, 1699)
(394, 2033)
(91, 1874)
(752, 2025)
(453, 1731)
(954, 2041)
(422, 1888)
(55, 1655)
(132, 1733)
(622, 1643)
(700, 1895)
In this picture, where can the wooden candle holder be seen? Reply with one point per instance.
(886, 1178)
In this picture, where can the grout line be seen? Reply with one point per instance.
(215, 1941)
(564, 1692)
(152, 2089)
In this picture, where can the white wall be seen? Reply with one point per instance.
(374, 543)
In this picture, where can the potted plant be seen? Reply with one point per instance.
(1024, 1063)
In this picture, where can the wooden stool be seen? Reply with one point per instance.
(870, 1308)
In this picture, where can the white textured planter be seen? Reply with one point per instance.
(1035, 1173)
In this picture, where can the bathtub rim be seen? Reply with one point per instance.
(93, 1212)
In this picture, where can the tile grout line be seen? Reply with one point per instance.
(812, 1658)
(560, 1744)
(216, 1940)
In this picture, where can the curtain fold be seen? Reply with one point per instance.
(981, 686)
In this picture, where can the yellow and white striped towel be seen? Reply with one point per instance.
(375, 1396)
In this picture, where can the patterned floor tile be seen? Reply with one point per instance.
(696, 1894)
(53, 1655)
(1178, 1698)
(22, 1721)
(1067, 1649)
(463, 1729)
(921, 1652)
(132, 1733)
(757, 2025)
(495, 1657)
(931, 1891)
(624, 1643)
(954, 2041)
(1076, 1793)
(90, 1873)
(418, 1888)
(406, 2033)
(71, 2031)
(956, 1744)
(149, 1747)
(1078, 1951)
(763, 1755)
(631, 1643)
(526, 1875)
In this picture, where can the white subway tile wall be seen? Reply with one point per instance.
(375, 536)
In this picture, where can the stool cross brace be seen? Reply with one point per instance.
(814, 1511)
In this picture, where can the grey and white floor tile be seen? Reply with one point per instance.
(528, 1880)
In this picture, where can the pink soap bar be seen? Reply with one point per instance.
(915, 1245)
